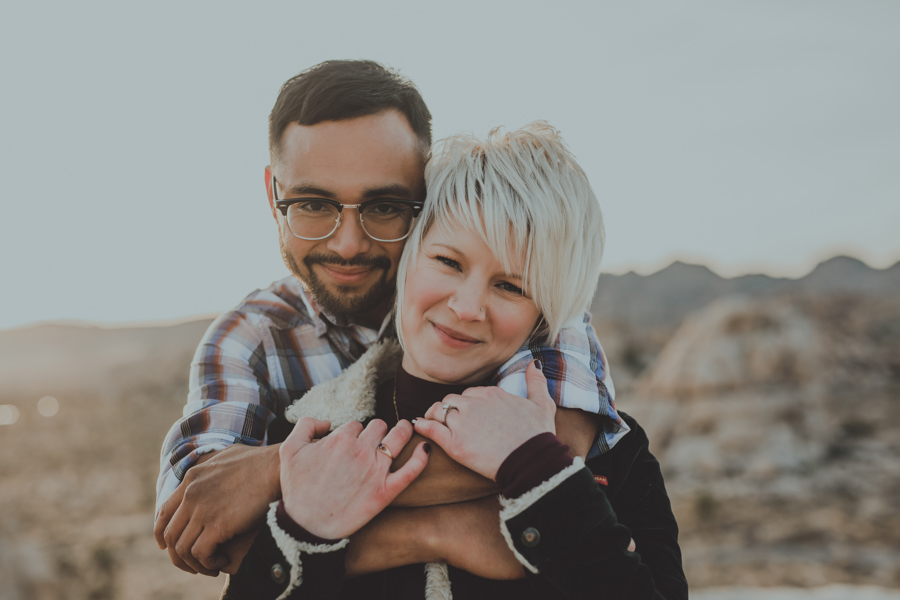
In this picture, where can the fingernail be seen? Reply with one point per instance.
(414, 421)
(427, 447)
(537, 365)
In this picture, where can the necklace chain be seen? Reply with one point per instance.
(396, 410)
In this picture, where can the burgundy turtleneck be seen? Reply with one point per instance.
(414, 396)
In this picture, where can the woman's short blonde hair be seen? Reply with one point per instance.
(524, 194)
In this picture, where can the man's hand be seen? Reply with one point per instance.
(465, 535)
(220, 498)
(577, 429)
(335, 486)
(444, 481)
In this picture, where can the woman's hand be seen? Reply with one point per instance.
(484, 425)
(335, 486)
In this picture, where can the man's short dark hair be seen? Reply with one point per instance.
(345, 89)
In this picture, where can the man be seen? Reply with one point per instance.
(348, 135)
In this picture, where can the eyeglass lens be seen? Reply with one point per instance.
(382, 220)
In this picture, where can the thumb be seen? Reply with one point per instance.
(537, 384)
(305, 431)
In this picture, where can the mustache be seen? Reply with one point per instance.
(379, 262)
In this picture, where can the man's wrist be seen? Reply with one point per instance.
(273, 472)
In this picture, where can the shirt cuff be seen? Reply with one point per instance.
(532, 463)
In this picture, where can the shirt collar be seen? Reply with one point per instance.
(323, 319)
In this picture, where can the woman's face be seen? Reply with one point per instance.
(463, 315)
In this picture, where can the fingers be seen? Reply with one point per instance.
(397, 437)
(373, 433)
(236, 549)
(205, 551)
(443, 411)
(179, 538)
(304, 432)
(182, 548)
(399, 480)
(433, 430)
(537, 384)
(165, 515)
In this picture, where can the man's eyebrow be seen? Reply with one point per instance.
(309, 190)
(395, 190)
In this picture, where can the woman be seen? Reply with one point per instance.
(506, 252)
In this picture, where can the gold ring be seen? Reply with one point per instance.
(447, 408)
(384, 450)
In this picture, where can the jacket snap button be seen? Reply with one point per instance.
(277, 572)
(531, 537)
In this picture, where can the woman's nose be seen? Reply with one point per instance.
(468, 304)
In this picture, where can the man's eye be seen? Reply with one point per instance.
(313, 207)
(385, 210)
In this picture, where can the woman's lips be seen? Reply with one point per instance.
(454, 338)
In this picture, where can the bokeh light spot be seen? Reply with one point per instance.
(9, 414)
(48, 406)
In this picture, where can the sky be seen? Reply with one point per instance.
(751, 136)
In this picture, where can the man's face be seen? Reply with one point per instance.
(350, 161)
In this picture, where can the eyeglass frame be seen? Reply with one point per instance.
(285, 203)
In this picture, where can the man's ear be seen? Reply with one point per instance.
(269, 192)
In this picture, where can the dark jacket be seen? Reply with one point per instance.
(576, 535)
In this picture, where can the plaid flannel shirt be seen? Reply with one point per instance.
(256, 359)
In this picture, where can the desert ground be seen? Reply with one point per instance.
(773, 406)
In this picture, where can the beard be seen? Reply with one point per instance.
(342, 301)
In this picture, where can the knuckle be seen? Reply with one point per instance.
(285, 450)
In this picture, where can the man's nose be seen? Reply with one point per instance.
(349, 239)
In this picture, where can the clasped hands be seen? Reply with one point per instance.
(337, 485)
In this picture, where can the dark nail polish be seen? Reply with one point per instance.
(427, 448)
(537, 363)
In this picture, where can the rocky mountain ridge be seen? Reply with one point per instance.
(664, 298)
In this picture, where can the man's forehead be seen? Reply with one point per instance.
(351, 156)
(387, 130)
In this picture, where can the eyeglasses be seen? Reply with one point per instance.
(318, 218)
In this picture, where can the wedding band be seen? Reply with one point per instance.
(384, 450)
(447, 408)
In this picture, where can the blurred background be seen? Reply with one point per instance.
(746, 155)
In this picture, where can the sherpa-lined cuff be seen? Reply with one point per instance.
(296, 530)
(511, 507)
(537, 460)
(291, 547)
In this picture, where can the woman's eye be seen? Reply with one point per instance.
(508, 287)
(447, 261)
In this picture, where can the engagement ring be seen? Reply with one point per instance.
(447, 408)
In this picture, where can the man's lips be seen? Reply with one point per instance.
(354, 270)
(346, 274)
(454, 338)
